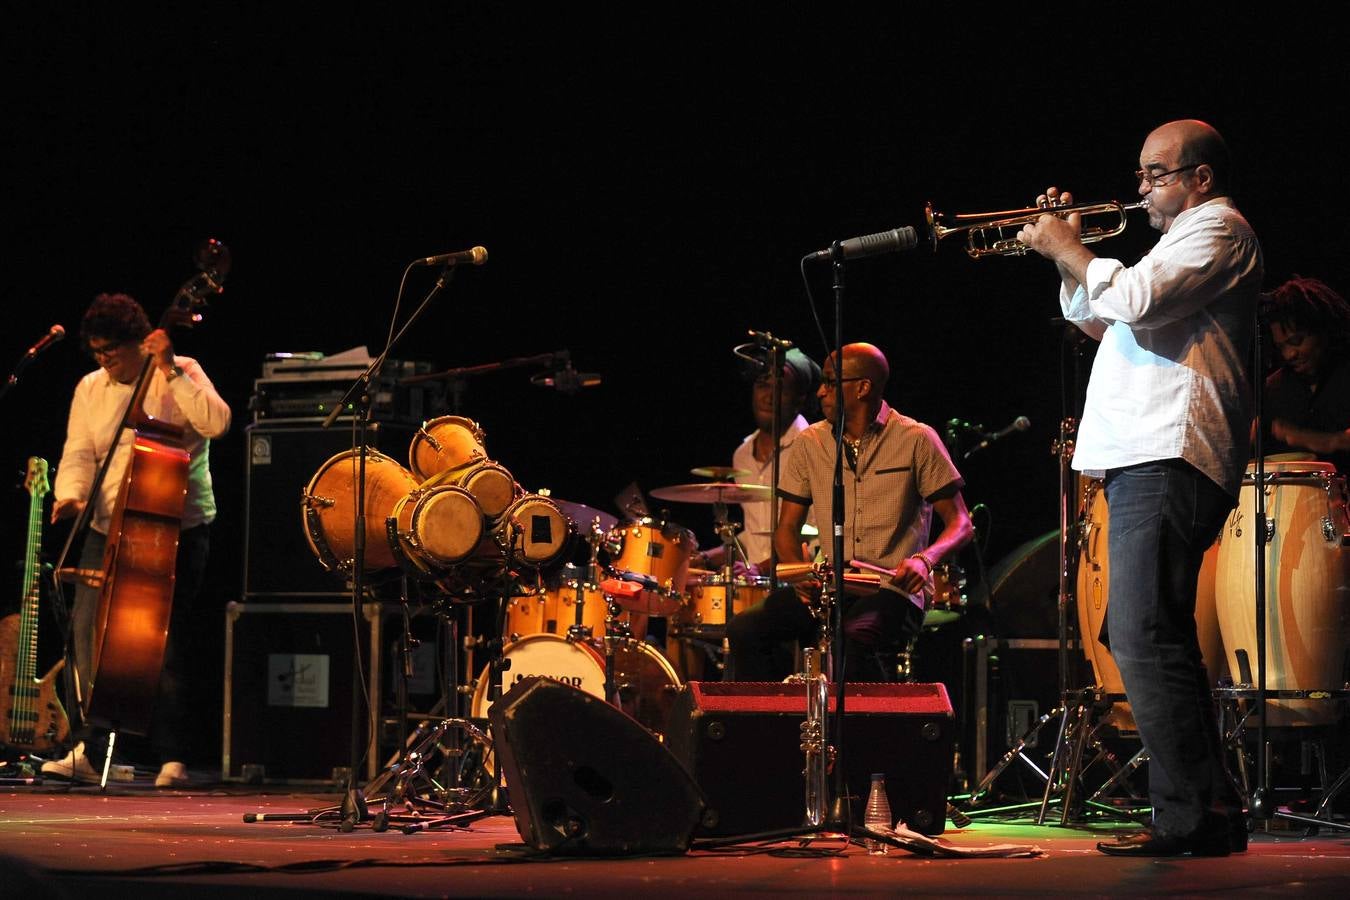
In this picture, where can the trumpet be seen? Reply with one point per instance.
(985, 235)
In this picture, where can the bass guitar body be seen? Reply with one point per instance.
(32, 718)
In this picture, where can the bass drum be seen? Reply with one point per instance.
(447, 442)
(1093, 598)
(1307, 571)
(644, 680)
(328, 508)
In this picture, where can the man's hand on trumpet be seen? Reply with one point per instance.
(1057, 238)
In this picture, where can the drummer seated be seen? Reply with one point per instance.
(876, 628)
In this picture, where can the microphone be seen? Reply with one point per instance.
(1021, 423)
(897, 240)
(54, 334)
(564, 377)
(768, 341)
(475, 257)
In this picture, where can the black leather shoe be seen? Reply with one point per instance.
(1147, 843)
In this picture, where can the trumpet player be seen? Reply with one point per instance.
(1166, 425)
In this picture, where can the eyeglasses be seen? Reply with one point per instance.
(1152, 179)
(829, 383)
(106, 349)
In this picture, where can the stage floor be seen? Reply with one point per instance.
(135, 839)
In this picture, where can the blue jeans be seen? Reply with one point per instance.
(1163, 517)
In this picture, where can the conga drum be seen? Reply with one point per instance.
(329, 509)
(1307, 575)
(1094, 569)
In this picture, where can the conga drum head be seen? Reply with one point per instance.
(491, 484)
(446, 525)
(532, 532)
(329, 509)
(447, 442)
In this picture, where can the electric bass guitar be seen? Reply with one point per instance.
(32, 718)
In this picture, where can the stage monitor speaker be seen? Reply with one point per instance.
(282, 460)
(585, 778)
(742, 743)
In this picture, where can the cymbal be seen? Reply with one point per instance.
(585, 515)
(719, 473)
(713, 492)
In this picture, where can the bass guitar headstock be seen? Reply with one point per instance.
(35, 481)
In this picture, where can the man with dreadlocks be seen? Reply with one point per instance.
(1307, 399)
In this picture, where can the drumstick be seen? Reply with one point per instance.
(868, 567)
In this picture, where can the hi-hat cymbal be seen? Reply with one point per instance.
(584, 515)
(719, 473)
(713, 492)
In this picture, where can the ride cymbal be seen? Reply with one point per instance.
(713, 492)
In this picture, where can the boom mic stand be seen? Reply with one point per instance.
(354, 809)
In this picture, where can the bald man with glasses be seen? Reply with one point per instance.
(1165, 425)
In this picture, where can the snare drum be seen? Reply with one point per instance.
(706, 599)
(1093, 598)
(659, 552)
(329, 509)
(1307, 573)
(438, 526)
(645, 683)
(447, 442)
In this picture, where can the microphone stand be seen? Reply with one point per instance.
(353, 809)
(840, 815)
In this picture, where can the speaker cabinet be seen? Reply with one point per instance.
(288, 690)
(282, 460)
(585, 778)
(741, 741)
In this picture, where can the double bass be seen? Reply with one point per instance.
(136, 579)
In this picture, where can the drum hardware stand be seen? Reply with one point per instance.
(1329, 789)
(410, 773)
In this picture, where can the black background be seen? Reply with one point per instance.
(646, 180)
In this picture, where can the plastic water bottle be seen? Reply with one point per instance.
(878, 814)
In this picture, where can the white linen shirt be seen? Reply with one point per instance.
(189, 400)
(758, 518)
(1169, 379)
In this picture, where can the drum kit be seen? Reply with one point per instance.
(456, 521)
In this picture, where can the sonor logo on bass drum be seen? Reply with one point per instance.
(574, 680)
